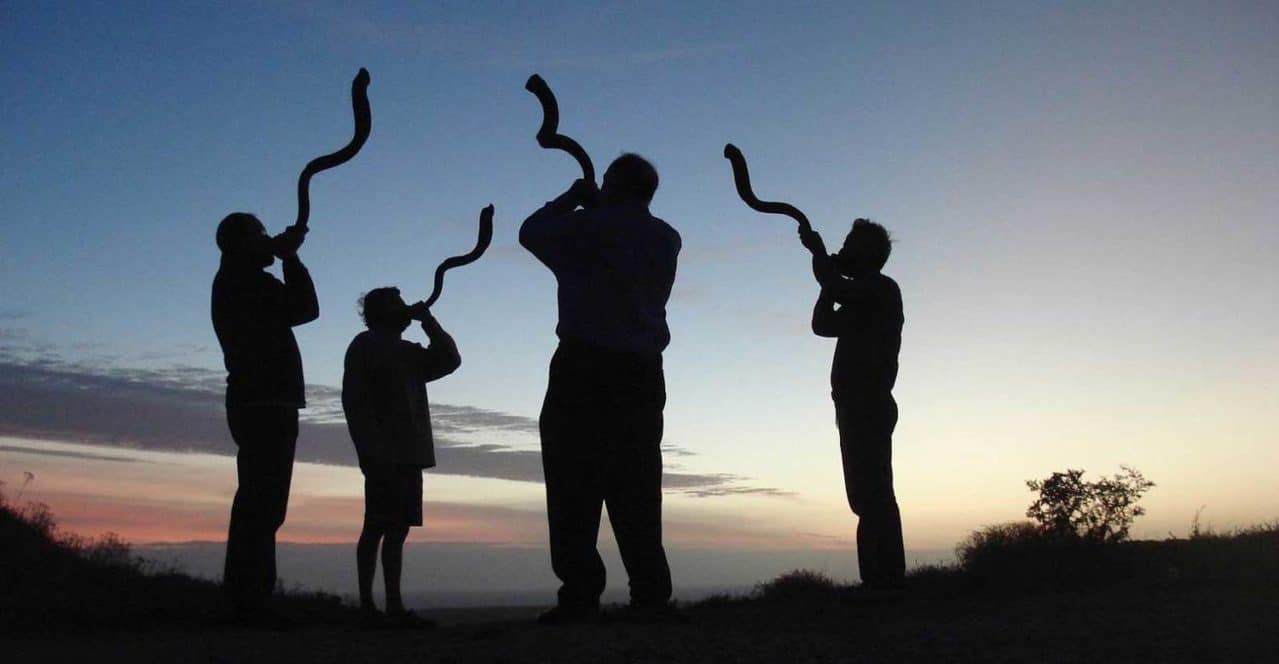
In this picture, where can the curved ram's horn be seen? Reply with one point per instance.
(481, 243)
(363, 125)
(548, 136)
(742, 178)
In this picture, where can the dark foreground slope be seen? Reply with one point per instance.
(1202, 599)
(57, 582)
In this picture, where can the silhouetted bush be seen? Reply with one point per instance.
(800, 585)
(986, 547)
(1072, 539)
(1100, 511)
(1023, 555)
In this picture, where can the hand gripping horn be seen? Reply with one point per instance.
(363, 125)
(482, 243)
(548, 136)
(742, 178)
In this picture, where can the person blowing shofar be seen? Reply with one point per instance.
(254, 314)
(601, 421)
(862, 307)
(384, 400)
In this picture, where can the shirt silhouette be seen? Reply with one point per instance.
(384, 396)
(615, 267)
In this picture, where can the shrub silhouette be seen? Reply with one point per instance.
(1071, 540)
(801, 585)
(1000, 539)
(1102, 511)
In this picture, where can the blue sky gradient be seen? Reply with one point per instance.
(1083, 198)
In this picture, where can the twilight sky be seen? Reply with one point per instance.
(1083, 197)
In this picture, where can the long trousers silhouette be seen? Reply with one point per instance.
(266, 437)
(866, 423)
(601, 427)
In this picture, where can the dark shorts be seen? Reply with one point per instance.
(393, 497)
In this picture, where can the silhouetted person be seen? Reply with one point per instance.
(868, 323)
(254, 315)
(601, 422)
(384, 399)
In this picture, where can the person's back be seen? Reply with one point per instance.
(601, 422)
(615, 278)
(385, 381)
(614, 263)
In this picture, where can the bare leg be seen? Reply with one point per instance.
(366, 562)
(392, 562)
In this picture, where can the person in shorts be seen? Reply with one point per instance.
(384, 400)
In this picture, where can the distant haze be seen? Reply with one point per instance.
(446, 575)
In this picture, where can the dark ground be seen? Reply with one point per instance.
(1208, 598)
(1177, 623)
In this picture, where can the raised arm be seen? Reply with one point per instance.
(547, 232)
(303, 304)
(825, 320)
(441, 357)
(299, 290)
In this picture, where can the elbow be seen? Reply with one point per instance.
(307, 315)
(821, 329)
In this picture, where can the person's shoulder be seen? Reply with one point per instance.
(890, 291)
(885, 286)
(233, 286)
(667, 231)
(407, 346)
(370, 344)
(358, 343)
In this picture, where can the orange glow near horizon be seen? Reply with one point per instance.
(165, 497)
(159, 497)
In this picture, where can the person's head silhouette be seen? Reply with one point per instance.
(865, 250)
(630, 179)
(385, 311)
(242, 238)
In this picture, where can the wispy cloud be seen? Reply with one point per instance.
(728, 488)
(41, 451)
(179, 408)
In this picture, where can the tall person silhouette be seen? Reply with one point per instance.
(601, 421)
(253, 316)
(868, 325)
